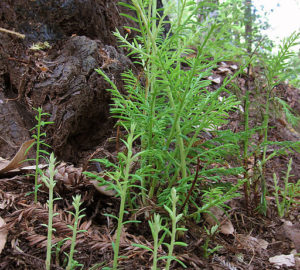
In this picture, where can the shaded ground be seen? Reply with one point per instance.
(62, 80)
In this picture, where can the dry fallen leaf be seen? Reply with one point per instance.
(103, 189)
(224, 70)
(252, 243)
(226, 226)
(292, 231)
(16, 162)
(234, 67)
(3, 234)
(263, 243)
(216, 80)
(33, 167)
(281, 260)
(297, 263)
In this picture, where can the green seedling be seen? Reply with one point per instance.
(274, 75)
(72, 264)
(172, 107)
(174, 219)
(50, 184)
(40, 46)
(210, 233)
(121, 180)
(286, 197)
(58, 246)
(40, 153)
(157, 227)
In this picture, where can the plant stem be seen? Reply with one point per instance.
(49, 236)
(193, 185)
(120, 221)
(37, 158)
(263, 201)
(156, 229)
(123, 188)
(76, 203)
(246, 141)
(174, 219)
(50, 183)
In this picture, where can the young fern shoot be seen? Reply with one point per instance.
(39, 142)
(50, 184)
(77, 216)
(170, 107)
(274, 75)
(175, 219)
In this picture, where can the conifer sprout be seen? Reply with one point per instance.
(50, 184)
(40, 153)
(174, 106)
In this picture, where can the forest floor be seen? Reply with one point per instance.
(255, 240)
(62, 80)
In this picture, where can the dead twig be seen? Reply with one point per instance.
(193, 185)
(12, 32)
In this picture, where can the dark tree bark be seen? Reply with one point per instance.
(248, 25)
(208, 12)
(61, 79)
(167, 26)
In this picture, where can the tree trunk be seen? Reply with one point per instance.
(71, 39)
(248, 25)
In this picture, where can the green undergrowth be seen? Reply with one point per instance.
(176, 146)
(171, 110)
